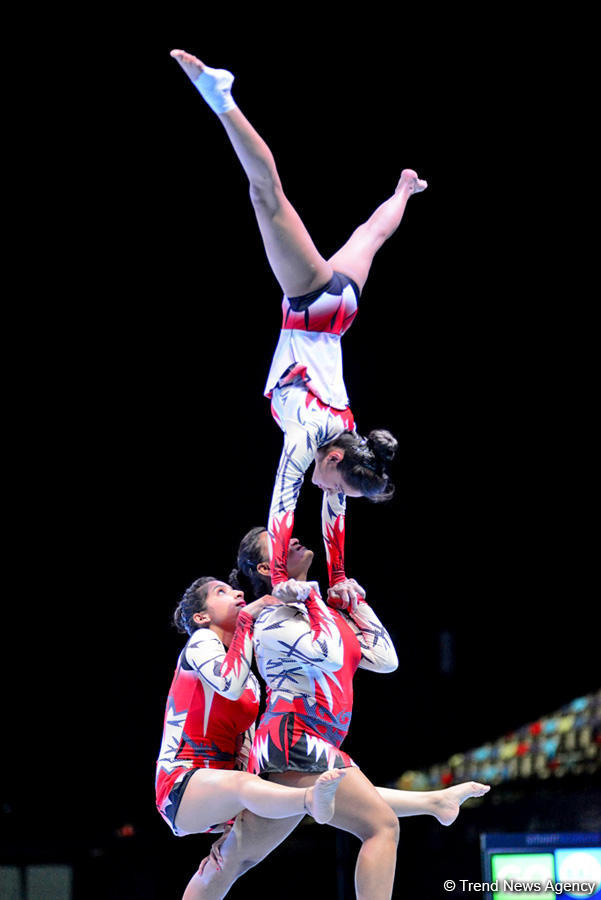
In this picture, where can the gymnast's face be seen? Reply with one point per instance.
(299, 557)
(223, 605)
(326, 474)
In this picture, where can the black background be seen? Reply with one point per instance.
(158, 450)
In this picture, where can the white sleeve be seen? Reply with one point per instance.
(301, 633)
(300, 447)
(299, 451)
(377, 650)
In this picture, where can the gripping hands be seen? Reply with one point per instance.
(346, 595)
(293, 591)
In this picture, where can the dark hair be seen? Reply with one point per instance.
(193, 600)
(363, 465)
(250, 554)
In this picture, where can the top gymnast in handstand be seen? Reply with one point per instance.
(305, 382)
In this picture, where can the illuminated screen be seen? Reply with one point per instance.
(527, 868)
(541, 860)
(579, 866)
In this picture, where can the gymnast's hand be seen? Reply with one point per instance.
(293, 591)
(257, 606)
(345, 595)
(215, 852)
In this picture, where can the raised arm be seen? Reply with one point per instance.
(300, 447)
(333, 509)
(226, 673)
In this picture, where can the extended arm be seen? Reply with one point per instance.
(333, 511)
(226, 673)
(300, 447)
(307, 425)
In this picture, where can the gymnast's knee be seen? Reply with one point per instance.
(391, 827)
(385, 826)
(266, 193)
(239, 860)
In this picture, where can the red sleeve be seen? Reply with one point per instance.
(333, 523)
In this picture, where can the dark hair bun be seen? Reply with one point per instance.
(382, 444)
(234, 580)
(178, 620)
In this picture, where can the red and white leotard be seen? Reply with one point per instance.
(310, 404)
(307, 654)
(309, 343)
(211, 710)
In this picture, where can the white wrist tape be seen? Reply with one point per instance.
(293, 591)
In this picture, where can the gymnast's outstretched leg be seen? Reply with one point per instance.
(216, 795)
(253, 838)
(296, 263)
(356, 256)
(443, 804)
(294, 259)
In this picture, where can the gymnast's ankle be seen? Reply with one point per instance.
(215, 87)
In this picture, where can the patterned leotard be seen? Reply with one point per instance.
(307, 654)
(211, 710)
(310, 404)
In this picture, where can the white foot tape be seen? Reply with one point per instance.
(215, 87)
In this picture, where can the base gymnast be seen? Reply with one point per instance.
(305, 383)
(308, 654)
(209, 721)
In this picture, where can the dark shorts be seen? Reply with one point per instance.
(169, 792)
(293, 743)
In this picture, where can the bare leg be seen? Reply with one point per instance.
(443, 805)
(356, 256)
(293, 257)
(362, 812)
(215, 795)
(251, 839)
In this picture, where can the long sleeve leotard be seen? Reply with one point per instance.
(307, 653)
(211, 710)
(310, 404)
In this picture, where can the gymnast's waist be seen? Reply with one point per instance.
(317, 719)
